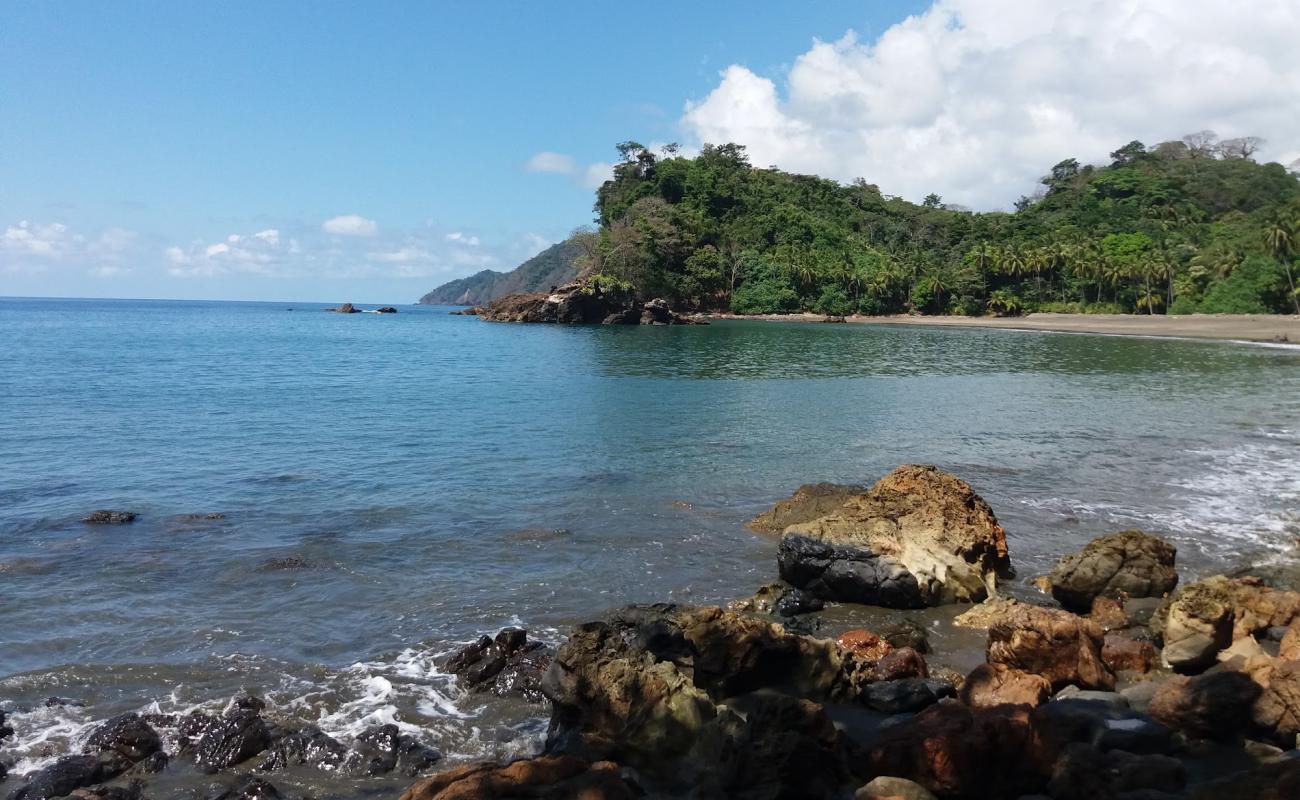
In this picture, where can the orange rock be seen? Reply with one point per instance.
(1063, 648)
(991, 685)
(1124, 653)
(1108, 613)
(864, 644)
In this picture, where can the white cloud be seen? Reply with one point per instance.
(547, 161)
(51, 240)
(460, 238)
(976, 99)
(402, 255)
(350, 225)
(271, 236)
(597, 173)
(107, 271)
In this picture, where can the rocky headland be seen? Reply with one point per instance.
(582, 302)
(1117, 681)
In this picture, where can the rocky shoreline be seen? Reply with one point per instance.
(1118, 681)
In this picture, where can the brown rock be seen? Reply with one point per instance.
(991, 685)
(1123, 653)
(988, 613)
(555, 777)
(1289, 649)
(902, 663)
(582, 302)
(1125, 564)
(1277, 711)
(1108, 613)
(1203, 618)
(1063, 648)
(930, 522)
(864, 644)
(346, 308)
(1216, 705)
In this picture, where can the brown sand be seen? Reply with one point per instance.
(1241, 327)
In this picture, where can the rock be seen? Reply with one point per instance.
(1126, 564)
(988, 613)
(1277, 710)
(1216, 705)
(384, 748)
(508, 664)
(1108, 613)
(106, 516)
(309, 746)
(284, 564)
(1279, 780)
(702, 698)
(864, 644)
(1063, 648)
(249, 789)
(1083, 773)
(1123, 653)
(928, 522)
(907, 633)
(1288, 649)
(953, 750)
(125, 738)
(346, 308)
(582, 302)
(235, 737)
(781, 600)
(553, 777)
(886, 788)
(133, 791)
(1202, 618)
(385, 310)
(5, 730)
(1103, 725)
(61, 778)
(905, 694)
(902, 663)
(796, 602)
(991, 685)
(846, 574)
(472, 311)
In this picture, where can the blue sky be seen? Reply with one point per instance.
(369, 151)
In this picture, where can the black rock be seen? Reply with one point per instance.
(58, 702)
(386, 310)
(133, 791)
(508, 664)
(127, 736)
(384, 748)
(5, 730)
(236, 737)
(906, 634)
(105, 516)
(309, 746)
(251, 789)
(1106, 726)
(848, 574)
(61, 778)
(796, 601)
(906, 694)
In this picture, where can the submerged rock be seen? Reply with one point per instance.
(385, 310)
(552, 777)
(105, 516)
(507, 664)
(917, 519)
(1126, 564)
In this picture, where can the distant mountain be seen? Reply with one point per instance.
(551, 267)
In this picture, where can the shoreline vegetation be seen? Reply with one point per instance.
(1193, 226)
(1117, 679)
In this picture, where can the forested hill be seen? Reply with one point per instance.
(551, 267)
(1185, 226)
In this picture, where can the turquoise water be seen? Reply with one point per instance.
(442, 476)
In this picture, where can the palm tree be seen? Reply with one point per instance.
(1283, 241)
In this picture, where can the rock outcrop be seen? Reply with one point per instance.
(917, 520)
(579, 303)
(1126, 564)
(346, 308)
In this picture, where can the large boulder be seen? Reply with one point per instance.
(551, 777)
(507, 664)
(1288, 649)
(1125, 564)
(234, 737)
(1202, 618)
(930, 523)
(1063, 648)
(846, 574)
(703, 698)
(123, 741)
(1216, 705)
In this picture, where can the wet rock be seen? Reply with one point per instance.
(701, 698)
(309, 746)
(1279, 780)
(796, 602)
(956, 751)
(284, 564)
(125, 738)
(907, 633)
(1126, 564)
(887, 788)
(1063, 648)
(1124, 653)
(211, 516)
(779, 599)
(60, 702)
(507, 664)
(235, 737)
(864, 644)
(106, 516)
(991, 685)
(552, 777)
(346, 308)
(1216, 705)
(385, 310)
(5, 730)
(151, 764)
(1108, 613)
(384, 748)
(61, 778)
(928, 522)
(846, 574)
(250, 789)
(988, 613)
(581, 302)
(132, 791)
(902, 663)
(905, 694)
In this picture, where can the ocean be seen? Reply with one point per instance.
(392, 486)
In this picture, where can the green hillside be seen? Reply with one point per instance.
(1182, 227)
(551, 267)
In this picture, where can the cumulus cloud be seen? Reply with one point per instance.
(350, 225)
(546, 161)
(51, 240)
(597, 173)
(975, 99)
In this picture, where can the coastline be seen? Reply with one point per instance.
(1269, 328)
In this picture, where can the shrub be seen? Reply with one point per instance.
(834, 301)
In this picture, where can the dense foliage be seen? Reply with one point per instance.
(1188, 226)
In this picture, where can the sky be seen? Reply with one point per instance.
(367, 152)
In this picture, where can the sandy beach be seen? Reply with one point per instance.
(1242, 327)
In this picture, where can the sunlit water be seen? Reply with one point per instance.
(443, 476)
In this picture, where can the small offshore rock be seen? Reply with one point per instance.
(105, 516)
(126, 736)
(346, 308)
(472, 311)
(384, 748)
(385, 310)
(285, 564)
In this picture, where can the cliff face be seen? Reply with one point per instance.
(551, 267)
